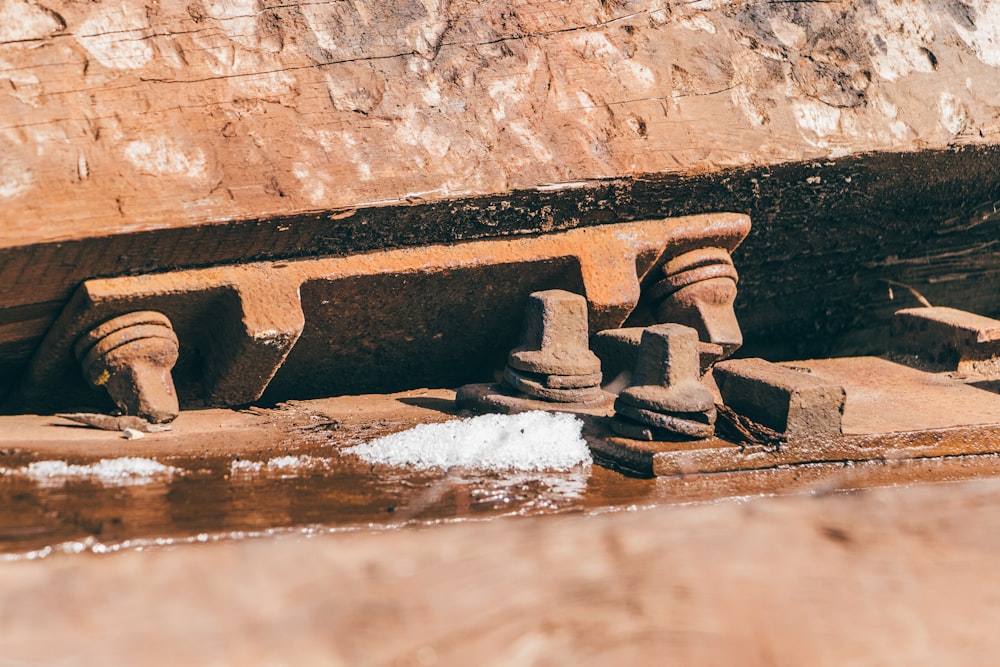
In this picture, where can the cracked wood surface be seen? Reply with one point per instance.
(123, 116)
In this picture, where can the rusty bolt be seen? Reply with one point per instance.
(555, 339)
(666, 399)
(698, 290)
(131, 356)
(540, 387)
(554, 362)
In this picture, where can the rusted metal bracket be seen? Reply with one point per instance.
(698, 290)
(941, 400)
(618, 350)
(131, 356)
(851, 409)
(240, 322)
(317, 324)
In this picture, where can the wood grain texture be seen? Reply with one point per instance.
(124, 116)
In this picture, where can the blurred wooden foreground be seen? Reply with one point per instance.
(893, 576)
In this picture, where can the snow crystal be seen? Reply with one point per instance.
(240, 466)
(281, 464)
(527, 441)
(545, 490)
(126, 471)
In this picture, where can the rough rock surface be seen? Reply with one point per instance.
(123, 116)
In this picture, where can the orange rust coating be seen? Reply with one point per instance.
(249, 317)
(613, 259)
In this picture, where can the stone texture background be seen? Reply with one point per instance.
(127, 115)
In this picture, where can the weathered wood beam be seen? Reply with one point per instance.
(124, 116)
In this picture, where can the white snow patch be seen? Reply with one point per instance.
(240, 466)
(115, 36)
(126, 471)
(527, 441)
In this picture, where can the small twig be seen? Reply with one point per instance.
(109, 423)
(920, 297)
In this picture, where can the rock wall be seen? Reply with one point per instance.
(124, 115)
